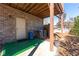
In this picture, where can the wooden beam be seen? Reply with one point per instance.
(30, 7)
(38, 12)
(51, 6)
(20, 5)
(26, 5)
(42, 7)
(34, 8)
(45, 12)
(13, 5)
(61, 6)
(58, 7)
(42, 12)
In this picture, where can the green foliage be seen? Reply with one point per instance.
(75, 29)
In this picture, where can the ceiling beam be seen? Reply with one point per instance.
(34, 8)
(29, 7)
(26, 5)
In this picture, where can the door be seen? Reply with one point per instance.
(20, 28)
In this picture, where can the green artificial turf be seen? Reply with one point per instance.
(15, 48)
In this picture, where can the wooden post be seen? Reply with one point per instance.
(62, 21)
(62, 25)
(51, 6)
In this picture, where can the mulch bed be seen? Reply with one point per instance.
(69, 46)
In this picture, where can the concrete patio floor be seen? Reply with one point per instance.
(42, 50)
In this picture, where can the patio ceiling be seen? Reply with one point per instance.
(38, 9)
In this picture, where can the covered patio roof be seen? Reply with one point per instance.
(38, 9)
(42, 10)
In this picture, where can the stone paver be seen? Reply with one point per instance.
(43, 50)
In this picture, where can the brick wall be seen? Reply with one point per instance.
(8, 17)
(7, 28)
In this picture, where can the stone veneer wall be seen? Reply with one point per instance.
(7, 29)
(8, 17)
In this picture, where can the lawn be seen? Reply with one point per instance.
(15, 48)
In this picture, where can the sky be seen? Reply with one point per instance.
(71, 10)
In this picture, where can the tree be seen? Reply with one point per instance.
(69, 23)
(75, 29)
